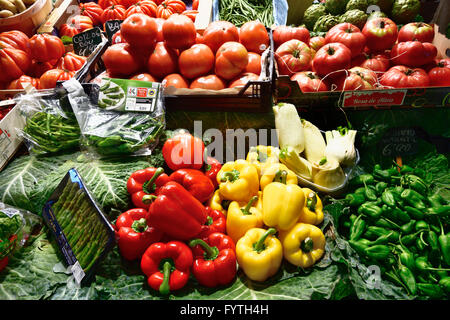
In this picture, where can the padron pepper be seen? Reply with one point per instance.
(215, 222)
(145, 182)
(194, 181)
(167, 265)
(445, 284)
(355, 199)
(214, 260)
(388, 198)
(259, 253)
(362, 179)
(380, 187)
(282, 204)
(377, 252)
(414, 182)
(357, 228)
(414, 198)
(243, 216)
(272, 173)
(133, 233)
(303, 244)
(444, 244)
(312, 212)
(370, 210)
(260, 156)
(434, 291)
(238, 181)
(407, 277)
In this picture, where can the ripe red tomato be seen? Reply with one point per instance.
(49, 78)
(196, 61)
(159, 35)
(331, 58)
(376, 62)
(195, 4)
(242, 79)
(183, 151)
(114, 12)
(46, 47)
(293, 56)
(231, 60)
(22, 82)
(191, 14)
(316, 42)
(128, 3)
(146, 7)
(219, 32)
(254, 63)
(413, 53)
(170, 7)
(13, 63)
(143, 77)
(440, 74)
(120, 59)
(348, 34)
(404, 77)
(76, 25)
(309, 81)
(176, 80)
(38, 68)
(71, 62)
(357, 79)
(253, 35)
(93, 11)
(107, 3)
(117, 38)
(210, 82)
(179, 32)
(380, 33)
(419, 31)
(282, 34)
(162, 61)
(139, 30)
(15, 39)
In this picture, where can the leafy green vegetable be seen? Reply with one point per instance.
(9, 226)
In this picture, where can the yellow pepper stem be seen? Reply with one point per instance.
(231, 176)
(246, 210)
(311, 201)
(280, 176)
(259, 246)
(307, 245)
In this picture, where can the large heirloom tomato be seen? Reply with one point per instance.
(49, 79)
(76, 25)
(22, 82)
(163, 60)
(117, 38)
(331, 58)
(71, 62)
(127, 3)
(219, 32)
(309, 81)
(143, 77)
(46, 47)
(440, 74)
(380, 33)
(316, 42)
(37, 68)
(176, 80)
(179, 32)
(93, 11)
(114, 12)
(210, 82)
(293, 56)
(242, 79)
(120, 60)
(404, 77)
(348, 34)
(107, 3)
(282, 34)
(419, 31)
(376, 62)
(254, 63)
(196, 61)
(357, 79)
(146, 7)
(231, 60)
(13, 63)
(253, 35)
(170, 7)
(413, 53)
(139, 30)
(15, 39)
(191, 14)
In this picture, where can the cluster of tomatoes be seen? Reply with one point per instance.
(347, 58)
(176, 55)
(41, 61)
(96, 14)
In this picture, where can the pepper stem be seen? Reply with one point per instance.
(139, 225)
(230, 176)
(149, 186)
(148, 198)
(311, 201)
(246, 210)
(259, 246)
(307, 245)
(280, 176)
(211, 253)
(164, 288)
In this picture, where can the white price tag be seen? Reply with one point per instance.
(77, 272)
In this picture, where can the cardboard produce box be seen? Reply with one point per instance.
(10, 141)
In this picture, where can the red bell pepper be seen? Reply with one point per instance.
(214, 260)
(212, 167)
(134, 235)
(176, 212)
(167, 265)
(194, 181)
(215, 222)
(183, 151)
(145, 182)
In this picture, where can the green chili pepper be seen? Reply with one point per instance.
(444, 243)
(415, 183)
(406, 169)
(442, 211)
(384, 239)
(105, 85)
(360, 190)
(115, 96)
(408, 227)
(380, 187)
(377, 252)
(110, 141)
(355, 199)
(383, 175)
(370, 193)
(420, 243)
(357, 228)
(111, 90)
(445, 284)
(362, 179)
(432, 240)
(421, 225)
(401, 215)
(372, 232)
(360, 245)
(407, 278)
(370, 210)
(386, 223)
(388, 198)
(423, 265)
(436, 200)
(414, 213)
(406, 257)
(434, 291)
(414, 199)
(108, 102)
(409, 239)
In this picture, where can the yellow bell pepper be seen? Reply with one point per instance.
(312, 212)
(282, 204)
(303, 245)
(259, 253)
(272, 173)
(242, 217)
(238, 181)
(216, 202)
(262, 155)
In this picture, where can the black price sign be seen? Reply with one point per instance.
(85, 42)
(111, 27)
(399, 142)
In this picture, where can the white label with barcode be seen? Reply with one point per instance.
(77, 272)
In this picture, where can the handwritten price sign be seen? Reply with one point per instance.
(85, 42)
